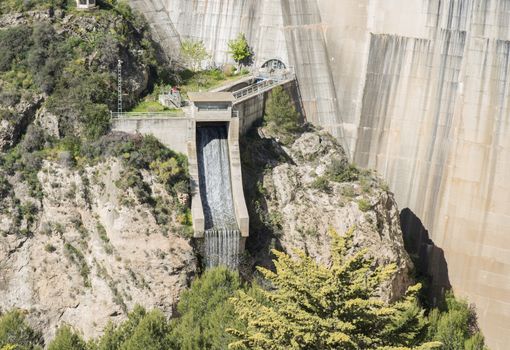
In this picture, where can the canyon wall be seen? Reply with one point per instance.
(417, 89)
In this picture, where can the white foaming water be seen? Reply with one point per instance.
(222, 234)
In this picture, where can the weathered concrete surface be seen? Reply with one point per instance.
(172, 132)
(423, 90)
(236, 175)
(419, 90)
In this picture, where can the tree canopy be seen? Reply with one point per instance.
(281, 113)
(312, 306)
(194, 53)
(15, 331)
(239, 49)
(206, 312)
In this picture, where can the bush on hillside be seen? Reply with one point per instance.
(206, 312)
(14, 330)
(456, 327)
(67, 339)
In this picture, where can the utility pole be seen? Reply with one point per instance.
(119, 88)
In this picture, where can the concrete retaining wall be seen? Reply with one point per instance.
(236, 175)
(172, 132)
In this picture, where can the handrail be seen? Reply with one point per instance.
(170, 114)
(263, 85)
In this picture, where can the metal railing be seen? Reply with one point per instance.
(141, 115)
(266, 84)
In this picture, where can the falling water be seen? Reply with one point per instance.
(222, 248)
(222, 233)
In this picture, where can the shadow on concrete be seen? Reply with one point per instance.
(429, 260)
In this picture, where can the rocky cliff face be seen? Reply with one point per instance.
(292, 199)
(87, 251)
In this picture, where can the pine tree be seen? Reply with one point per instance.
(142, 330)
(313, 306)
(206, 312)
(15, 331)
(456, 327)
(67, 339)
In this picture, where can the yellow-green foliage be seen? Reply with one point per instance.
(239, 49)
(194, 52)
(167, 170)
(313, 306)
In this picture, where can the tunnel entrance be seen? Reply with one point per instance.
(275, 64)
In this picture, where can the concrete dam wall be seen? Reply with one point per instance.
(417, 89)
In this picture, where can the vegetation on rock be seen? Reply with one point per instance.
(455, 327)
(305, 305)
(205, 312)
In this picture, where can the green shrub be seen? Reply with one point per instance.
(364, 205)
(67, 339)
(281, 115)
(240, 50)
(5, 187)
(206, 312)
(194, 53)
(16, 39)
(50, 248)
(142, 330)
(321, 183)
(103, 235)
(34, 139)
(97, 120)
(76, 256)
(456, 327)
(340, 171)
(14, 330)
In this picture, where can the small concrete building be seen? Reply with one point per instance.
(211, 106)
(85, 4)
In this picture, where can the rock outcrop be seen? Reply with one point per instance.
(14, 121)
(87, 252)
(300, 212)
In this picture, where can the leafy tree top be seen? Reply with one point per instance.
(313, 306)
(239, 49)
(194, 52)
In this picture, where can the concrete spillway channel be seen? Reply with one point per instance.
(208, 132)
(222, 234)
(219, 210)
